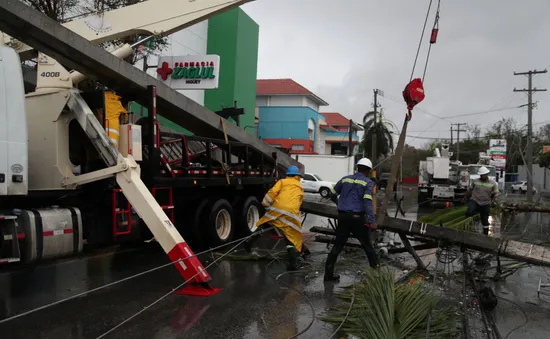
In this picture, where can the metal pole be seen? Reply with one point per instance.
(529, 151)
(350, 150)
(374, 135)
(530, 137)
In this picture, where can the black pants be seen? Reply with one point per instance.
(355, 224)
(484, 212)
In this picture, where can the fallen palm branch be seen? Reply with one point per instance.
(384, 309)
(454, 218)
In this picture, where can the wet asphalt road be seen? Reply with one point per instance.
(252, 305)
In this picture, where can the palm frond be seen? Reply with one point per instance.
(383, 309)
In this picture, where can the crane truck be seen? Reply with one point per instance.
(64, 183)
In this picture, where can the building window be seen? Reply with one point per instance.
(310, 129)
(297, 147)
(277, 145)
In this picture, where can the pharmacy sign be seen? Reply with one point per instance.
(190, 72)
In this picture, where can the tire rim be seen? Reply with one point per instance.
(252, 217)
(223, 224)
(324, 193)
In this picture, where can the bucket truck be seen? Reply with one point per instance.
(439, 178)
(65, 183)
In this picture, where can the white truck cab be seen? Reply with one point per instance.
(13, 126)
(314, 184)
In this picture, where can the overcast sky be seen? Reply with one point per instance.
(342, 50)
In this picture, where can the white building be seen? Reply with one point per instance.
(190, 41)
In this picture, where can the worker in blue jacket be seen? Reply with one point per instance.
(355, 215)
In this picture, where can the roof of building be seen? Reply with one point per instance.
(285, 87)
(337, 119)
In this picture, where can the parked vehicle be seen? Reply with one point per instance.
(314, 184)
(521, 187)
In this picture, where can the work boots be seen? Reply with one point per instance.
(292, 258)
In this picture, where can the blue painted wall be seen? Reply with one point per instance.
(342, 135)
(278, 122)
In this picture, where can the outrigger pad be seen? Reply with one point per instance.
(198, 289)
(413, 93)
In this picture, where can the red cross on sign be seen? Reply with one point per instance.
(164, 71)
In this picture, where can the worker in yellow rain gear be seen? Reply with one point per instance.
(282, 203)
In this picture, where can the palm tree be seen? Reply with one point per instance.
(383, 129)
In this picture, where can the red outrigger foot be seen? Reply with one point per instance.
(276, 237)
(198, 289)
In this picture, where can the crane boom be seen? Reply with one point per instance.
(152, 17)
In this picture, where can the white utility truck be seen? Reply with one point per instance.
(64, 181)
(439, 178)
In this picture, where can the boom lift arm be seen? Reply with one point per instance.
(152, 17)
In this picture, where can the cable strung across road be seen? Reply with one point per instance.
(242, 240)
(128, 278)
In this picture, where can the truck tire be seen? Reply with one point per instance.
(250, 212)
(324, 191)
(219, 223)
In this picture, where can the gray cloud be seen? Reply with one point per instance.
(342, 50)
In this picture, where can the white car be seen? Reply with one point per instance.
(521, 187)
(314, 184)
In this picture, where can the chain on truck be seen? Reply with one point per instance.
(76, 171)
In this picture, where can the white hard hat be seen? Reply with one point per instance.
(483, 170)
(365, 162)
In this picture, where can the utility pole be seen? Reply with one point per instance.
(451, 135)
(458, 130)
(374, 135)
(529, 152)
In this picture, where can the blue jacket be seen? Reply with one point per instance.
(355, 193)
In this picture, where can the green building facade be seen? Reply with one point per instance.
(234, 36)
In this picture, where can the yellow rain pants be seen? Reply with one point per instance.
(282, 203)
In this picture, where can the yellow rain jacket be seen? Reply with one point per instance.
(282, 203)
(113, 110)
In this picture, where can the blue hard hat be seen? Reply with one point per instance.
(293, 170)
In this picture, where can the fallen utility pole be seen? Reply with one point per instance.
(458, 130)
(525, 252)
(526, 208)
(529, 152)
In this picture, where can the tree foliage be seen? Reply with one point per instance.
(374, 124)
(67, 10)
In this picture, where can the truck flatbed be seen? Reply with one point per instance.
(44, 34)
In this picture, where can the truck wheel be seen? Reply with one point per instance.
(249, 215)
(220, 223)
(324, 192)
